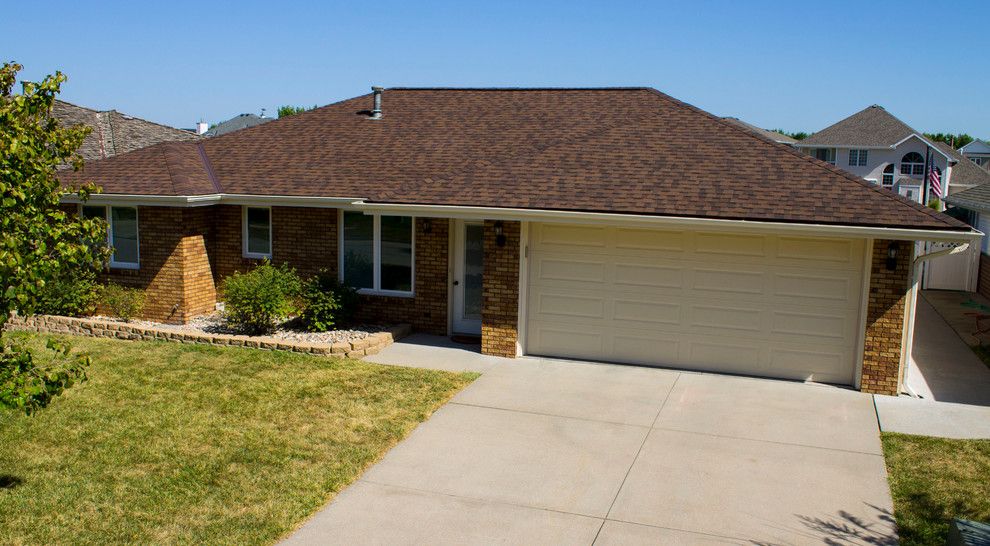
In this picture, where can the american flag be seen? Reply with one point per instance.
(935, 179)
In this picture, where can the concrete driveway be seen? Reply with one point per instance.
(555, 452)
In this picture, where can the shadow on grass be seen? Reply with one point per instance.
(9, 482)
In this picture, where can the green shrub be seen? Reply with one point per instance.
(327, 303)
(73, 293)
(122, 302)
(258, 300)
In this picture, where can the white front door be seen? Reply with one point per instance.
(468, 266)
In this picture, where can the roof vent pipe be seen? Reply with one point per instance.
(376, 112)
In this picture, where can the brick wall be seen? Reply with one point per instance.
(983, 282)
(885, 319)
(427, 310)
(500, 291)
(175, 272)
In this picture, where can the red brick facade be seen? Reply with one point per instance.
(175, 272)
(885, 319)
(500, 289)
(983, 282)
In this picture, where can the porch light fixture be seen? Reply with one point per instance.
(892, 256)
(499, 236)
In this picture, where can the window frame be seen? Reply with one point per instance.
(376, 253)
(830, 155)
(108, 218)
(245, 252)
(917, 167)
(861, 157)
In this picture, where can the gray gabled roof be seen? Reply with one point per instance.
(964, 172)
(772, 135)
(976, 147)
(872, 127)
(977, 198)
(236, 123)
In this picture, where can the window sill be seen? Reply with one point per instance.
(388, 293)
(124, 266)
(249, 256)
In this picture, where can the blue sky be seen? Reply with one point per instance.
(795, 65)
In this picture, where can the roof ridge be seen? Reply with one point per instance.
(511, 88)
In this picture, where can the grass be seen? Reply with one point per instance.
(934, 480)
(174, 443)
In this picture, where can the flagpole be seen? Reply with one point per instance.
(925, 186)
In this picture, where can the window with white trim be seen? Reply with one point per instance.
(858, 158)
(376, 252)
(257, 232)
(824, 154)
(912, 164)
(122, 233)
(888, 177)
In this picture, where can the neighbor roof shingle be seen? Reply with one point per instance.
(964, 172)
(114, 133)
(633, 151)
(870, 127)
(772, 135)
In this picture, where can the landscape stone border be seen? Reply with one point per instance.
(53, 324)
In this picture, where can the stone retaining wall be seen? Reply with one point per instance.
(121, 330)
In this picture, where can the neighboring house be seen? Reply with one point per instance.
(772, 135)
(115, 133)
(877, 146)
(976, 202)
(615, 225)
(236, 123)
(978, 152)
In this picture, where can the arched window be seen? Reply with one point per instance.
(913, 164)
(888, 177)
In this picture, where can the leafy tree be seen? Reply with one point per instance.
(288, 110)
(800, 135)
(956, 141)
(39, 241)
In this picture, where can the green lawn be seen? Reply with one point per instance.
(198, 444)
(934, 480)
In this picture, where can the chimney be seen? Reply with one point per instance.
(202, 127)
(376, 112)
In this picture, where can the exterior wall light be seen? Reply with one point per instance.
(892, 256)
(499, 235)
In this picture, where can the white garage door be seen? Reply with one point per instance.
(759, 305)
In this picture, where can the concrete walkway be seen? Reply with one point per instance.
(953, 383)
(541, 451)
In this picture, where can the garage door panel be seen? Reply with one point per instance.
(648, 275)
(760, 305)
(728, 280)
(637, 311)
(817, 250)
(578, 270)
(806, 286)
(718, 318)
(649, 240)
(570, 306)
(564, 235)
(730, 245)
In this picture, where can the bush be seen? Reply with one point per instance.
(327, 303)
(73, 293)
(122, 302)
(258, 300)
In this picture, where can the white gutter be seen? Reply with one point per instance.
(712, 224)
(533, 215)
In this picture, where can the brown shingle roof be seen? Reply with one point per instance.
(605, 150)
(115, 133)
(870, 127)
(964, 172)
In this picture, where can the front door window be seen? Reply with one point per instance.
(473, 267)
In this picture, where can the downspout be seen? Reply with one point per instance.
(915, 284)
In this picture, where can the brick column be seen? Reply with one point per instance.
(500, 291)
(885, 319)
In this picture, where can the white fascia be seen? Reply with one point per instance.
(213, 199)
(673, 222)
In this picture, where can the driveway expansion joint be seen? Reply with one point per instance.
(775, 442)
